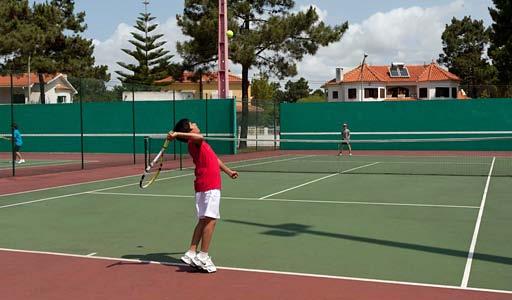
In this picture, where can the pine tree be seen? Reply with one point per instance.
(501, 41)
(464, 45)
(153, 62)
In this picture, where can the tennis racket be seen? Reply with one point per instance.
(153, 169)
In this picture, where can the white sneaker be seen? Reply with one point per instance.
(188, 259)
(22, 161)
(204, 263)
(350, 154)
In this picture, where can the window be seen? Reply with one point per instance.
(371, 93)
(352, 93)
(454, 93)
(382, 93)
(335, 94)
(61, 99)
(442, 92)
(423, 93)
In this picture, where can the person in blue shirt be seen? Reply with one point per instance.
(18, 142)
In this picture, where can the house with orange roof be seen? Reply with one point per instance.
(189, 84)
(26, 89)
(189, 87)
(397, 81)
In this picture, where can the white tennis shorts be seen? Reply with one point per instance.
(208, 204)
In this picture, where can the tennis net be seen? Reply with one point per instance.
(426, 156)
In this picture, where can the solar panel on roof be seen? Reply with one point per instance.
(393, 72)
(404, 72)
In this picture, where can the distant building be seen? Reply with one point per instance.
(190, 87)
(57, 89)
(394, 82)
(187, 84)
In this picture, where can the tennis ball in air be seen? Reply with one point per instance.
(229, 33)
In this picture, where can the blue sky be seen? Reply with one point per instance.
(388, 30)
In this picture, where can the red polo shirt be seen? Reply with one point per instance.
(207, 166)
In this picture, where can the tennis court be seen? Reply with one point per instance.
(376, 219)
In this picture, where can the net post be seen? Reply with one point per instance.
(133, 125)
(81, 125)
(13, 154)
(174, 118)
(275, 126)
(146, 140)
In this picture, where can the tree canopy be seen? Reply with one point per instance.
(48, 36)
(464, 46)
(268, 35)
(501, 41)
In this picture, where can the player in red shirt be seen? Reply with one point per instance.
(207, 185)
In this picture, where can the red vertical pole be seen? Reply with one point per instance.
(222, 80)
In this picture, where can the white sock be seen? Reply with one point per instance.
(203, 254)
(191, 253)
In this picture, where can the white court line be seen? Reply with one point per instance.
(110, 188)
(86, 192)
(92, 254)
(111, 179)
(313, 181)
(467, 269)
(114, 259)
(404, 162)
(293, 200)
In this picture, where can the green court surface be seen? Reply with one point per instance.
(7, 164)
(411, 228)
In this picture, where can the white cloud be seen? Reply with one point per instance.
(108, 52)
(410, 35)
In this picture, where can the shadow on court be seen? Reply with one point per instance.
(293, 229)
(164, 258)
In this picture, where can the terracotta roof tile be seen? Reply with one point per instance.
(417, 73)
(22, 79)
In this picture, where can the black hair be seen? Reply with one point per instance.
(14, 125)
(182, 125)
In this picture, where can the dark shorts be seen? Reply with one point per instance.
(345, 142)
(17, 148)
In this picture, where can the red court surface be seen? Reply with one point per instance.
(31, 276)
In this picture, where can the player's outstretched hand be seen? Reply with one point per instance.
(233, 174)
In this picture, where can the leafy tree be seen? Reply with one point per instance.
(263, 92)
(464, 45)
(153, 61)
(296, 90)
(501, 41)
(48, 35)
(319, 93)
(267, 36)
(262, 88)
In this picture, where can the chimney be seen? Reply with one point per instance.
(339, 75)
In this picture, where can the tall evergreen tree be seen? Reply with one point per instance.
(464, 45)
(48, 36)
(501, 41)
(267, 36)
(153, 61)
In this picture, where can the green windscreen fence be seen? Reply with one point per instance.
(112, 127)
(392, 121)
